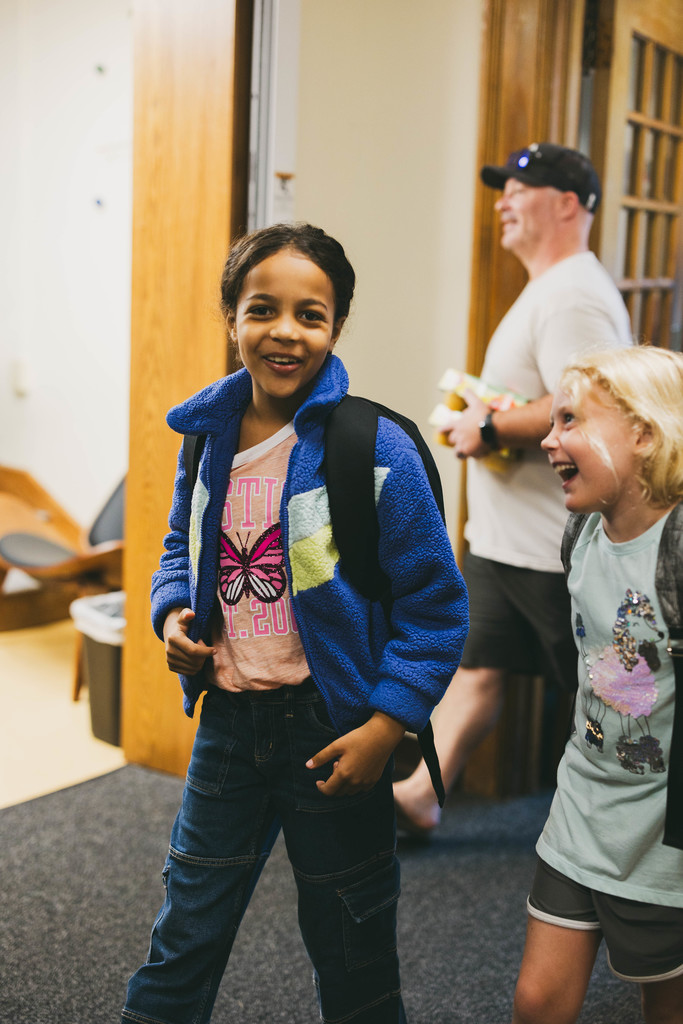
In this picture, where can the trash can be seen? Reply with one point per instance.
(100, 618)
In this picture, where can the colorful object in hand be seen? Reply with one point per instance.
(454, 384)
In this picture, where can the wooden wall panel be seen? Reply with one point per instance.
(185, 68)
(529, 91)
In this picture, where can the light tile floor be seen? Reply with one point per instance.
(46, 741)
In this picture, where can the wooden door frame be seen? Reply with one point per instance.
(191, 104)
(529, 91)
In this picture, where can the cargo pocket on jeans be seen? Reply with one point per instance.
(213, 745)
(369, 916)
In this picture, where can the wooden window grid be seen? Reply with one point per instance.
(652, 190)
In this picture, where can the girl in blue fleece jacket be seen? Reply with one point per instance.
(308, 688)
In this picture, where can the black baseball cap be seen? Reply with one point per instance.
(544, 163)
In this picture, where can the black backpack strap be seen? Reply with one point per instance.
(669, 585)
(351, 433)
(193, 446)
(350, 439)
(572, 530)
(430, 757)
(669, 571)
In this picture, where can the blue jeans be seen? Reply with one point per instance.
(247, 779)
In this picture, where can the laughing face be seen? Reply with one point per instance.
(596, 452)
(284, 327)
(525, 214)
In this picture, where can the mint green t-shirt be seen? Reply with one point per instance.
(606, 821)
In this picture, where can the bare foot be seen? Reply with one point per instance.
(416, 813)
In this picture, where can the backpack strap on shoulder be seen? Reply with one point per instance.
(569, 538)
(350, 438)
(193, 446)
(669, 572)
(669, 585)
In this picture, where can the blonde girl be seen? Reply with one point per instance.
(611, 854)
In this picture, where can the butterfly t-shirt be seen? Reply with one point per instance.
(256, 638)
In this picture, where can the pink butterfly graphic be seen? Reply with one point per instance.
(259, 571)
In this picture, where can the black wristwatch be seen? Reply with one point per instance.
(488, 432)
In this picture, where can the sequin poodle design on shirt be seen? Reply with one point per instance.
(622, 678)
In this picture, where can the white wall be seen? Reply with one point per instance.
(283, 111)
(386, 162)
(65, 207)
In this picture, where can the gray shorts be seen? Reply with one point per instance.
(520, 621)
(644, 940)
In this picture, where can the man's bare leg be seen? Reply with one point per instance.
(468, 711)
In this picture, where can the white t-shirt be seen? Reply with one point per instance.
(517, 516)
(606, 822)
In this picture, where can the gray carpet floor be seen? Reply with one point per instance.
(81, 885)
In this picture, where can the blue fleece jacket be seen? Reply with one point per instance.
(357, 663)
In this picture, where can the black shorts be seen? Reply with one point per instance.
(644, 940)
(520, 621)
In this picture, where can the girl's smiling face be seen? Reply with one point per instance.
(596, 451)
(284, 326)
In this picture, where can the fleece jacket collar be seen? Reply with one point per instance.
(213, 408)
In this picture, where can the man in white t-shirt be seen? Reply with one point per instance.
(519, 607)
